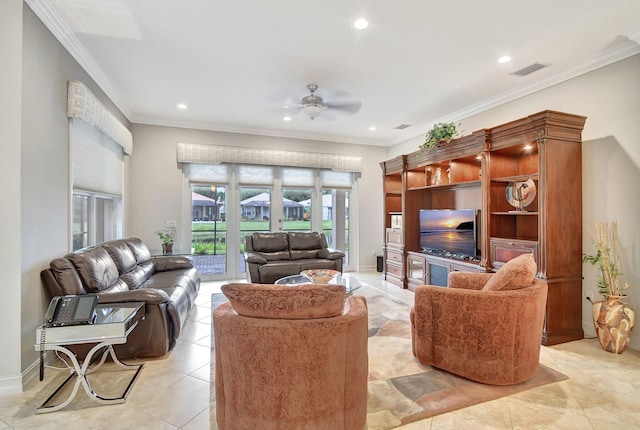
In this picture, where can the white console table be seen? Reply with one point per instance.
(113, 324)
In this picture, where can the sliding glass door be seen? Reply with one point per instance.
(254, 199)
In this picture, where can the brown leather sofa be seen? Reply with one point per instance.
(123, 271)
(290, 357)
(271, 256)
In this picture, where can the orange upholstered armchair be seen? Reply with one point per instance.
(485, 327)
(290, 357)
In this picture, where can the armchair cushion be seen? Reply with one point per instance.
(286, 301)
(515, 274)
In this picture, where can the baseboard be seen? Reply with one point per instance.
(11, 384)
(17, 384)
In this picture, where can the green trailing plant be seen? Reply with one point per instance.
(440, 132)
(606, 259)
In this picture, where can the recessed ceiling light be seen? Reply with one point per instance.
(286, 118)
(528, 147)
(504, 59)
(360, 24)
(372, 128)
(181, 106)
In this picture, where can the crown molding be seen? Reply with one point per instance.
(593, 63)
(47, 14)
(45, 11)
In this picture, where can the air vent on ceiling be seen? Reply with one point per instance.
(402, 126)
(530, 69)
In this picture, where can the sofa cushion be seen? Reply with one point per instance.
(121, 254)
(297, 254)
(304, 245)
(138, 276)
(96, 268)
(305, 240)
(286, 301)
(67, 277)
(139, 249)
(515, 274)
(271, 272)
(317, 264)
(270, 242)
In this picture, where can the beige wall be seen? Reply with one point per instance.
(10, 246)
(34, 220)
(610, 99)
(157, 186)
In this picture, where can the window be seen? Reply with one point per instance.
(97, 172)
(97, 218)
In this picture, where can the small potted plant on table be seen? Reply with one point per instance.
(167, 237)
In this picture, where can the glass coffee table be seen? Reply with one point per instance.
(350, 284)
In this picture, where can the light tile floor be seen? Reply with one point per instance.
(602, 392)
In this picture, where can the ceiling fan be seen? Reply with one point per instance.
(328, 104)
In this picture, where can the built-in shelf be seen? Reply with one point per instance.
(473, 172)
(517, 213)
(518, 178)
(455, 185)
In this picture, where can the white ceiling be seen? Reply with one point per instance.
(234, 62)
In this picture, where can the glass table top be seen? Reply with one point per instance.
(350, 284)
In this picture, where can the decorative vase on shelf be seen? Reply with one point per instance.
(167, 248)
(613, 320)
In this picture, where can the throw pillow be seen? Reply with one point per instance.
(515, 274)
(286, 301)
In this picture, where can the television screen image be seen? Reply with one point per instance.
(448, 230)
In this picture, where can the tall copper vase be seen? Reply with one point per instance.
(613, 321)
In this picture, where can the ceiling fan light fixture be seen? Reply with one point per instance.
(313, 110)
(313, 105)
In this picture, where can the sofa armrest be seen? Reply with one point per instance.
(331, 254)
(166, 263)
(255, 258)
(150, 296)
(468, 280)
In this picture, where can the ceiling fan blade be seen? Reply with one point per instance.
(346, 108)
(283, 98)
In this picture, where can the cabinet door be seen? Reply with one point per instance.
(416, 271)
(394, 266)
(437, 273)
(503, 250)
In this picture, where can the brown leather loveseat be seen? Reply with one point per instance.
(123, 271)
(271, 256)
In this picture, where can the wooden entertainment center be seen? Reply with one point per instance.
(473, 172)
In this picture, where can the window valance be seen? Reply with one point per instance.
(83, 104)
(215, 154)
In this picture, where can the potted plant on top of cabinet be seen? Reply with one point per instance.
(440, 132)
(613, 319)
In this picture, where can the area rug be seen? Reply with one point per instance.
(401, 390)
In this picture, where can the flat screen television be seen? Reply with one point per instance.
(449, 231)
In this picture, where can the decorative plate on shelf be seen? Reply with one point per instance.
(521, 194)
(320, 276)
